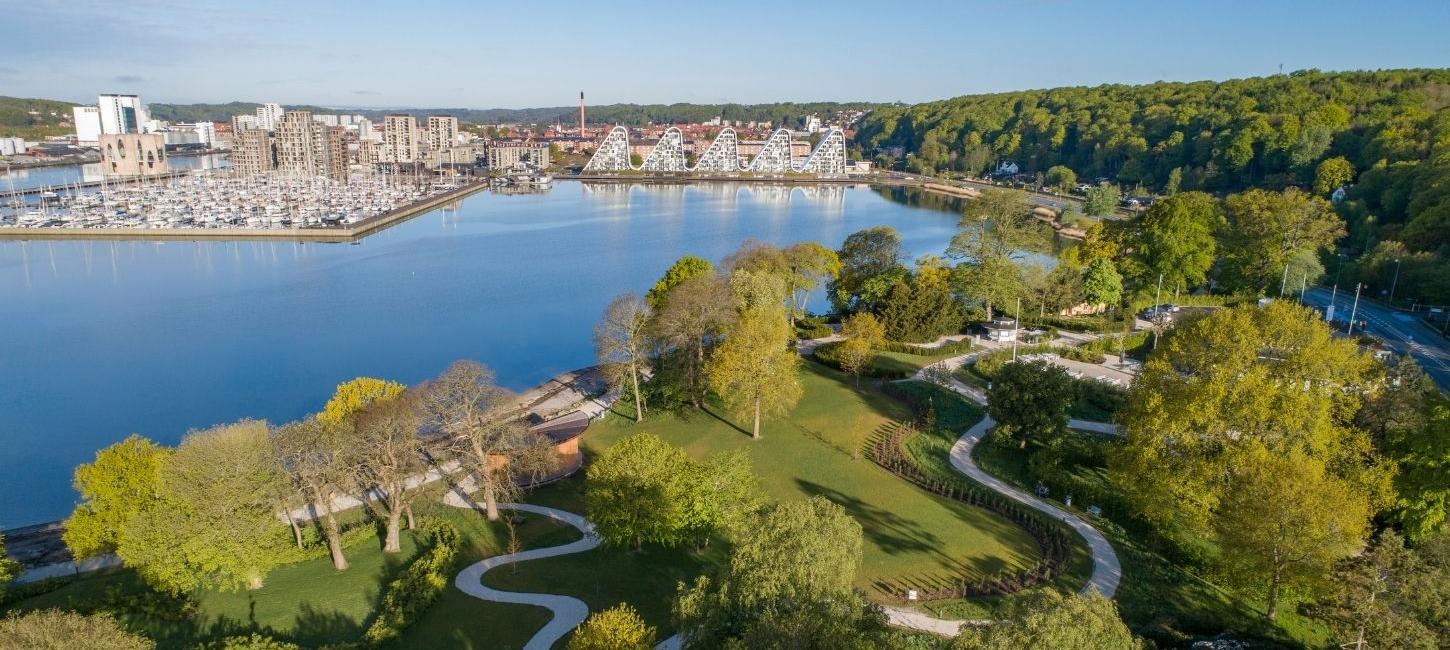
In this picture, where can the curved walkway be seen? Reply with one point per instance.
(568, 611)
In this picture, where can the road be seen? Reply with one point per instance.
(1056, 202)
(1401, 331)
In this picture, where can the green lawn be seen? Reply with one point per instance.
(818, 449)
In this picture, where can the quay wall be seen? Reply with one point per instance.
(340, 234)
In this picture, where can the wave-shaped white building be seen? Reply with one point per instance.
(722, 156)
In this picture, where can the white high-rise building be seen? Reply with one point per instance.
(206, 133)
(122, 114)
(88, 124)
(267, 116)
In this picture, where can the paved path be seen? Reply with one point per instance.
(568, 611)
(1107, 571)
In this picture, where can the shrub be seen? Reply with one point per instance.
(53, 629)
(945, 350)
(411, 593)
(253, 641)
(616, 628)
(812, 328)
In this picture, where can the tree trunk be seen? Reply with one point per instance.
(1273, 612)
(638, 405)
(391, 543)
(296, 530)
(412, 523)
(989, 310)
(333, 533)
(755, 432)
(490, 500)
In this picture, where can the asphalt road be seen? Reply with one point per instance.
(1401, 331)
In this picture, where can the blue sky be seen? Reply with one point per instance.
(484, 54)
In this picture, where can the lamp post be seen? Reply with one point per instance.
(1395, 282)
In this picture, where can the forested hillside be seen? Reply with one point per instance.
(1387, 131)
(33, 119)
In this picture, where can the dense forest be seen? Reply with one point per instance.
(1384, 133)
(788, 114)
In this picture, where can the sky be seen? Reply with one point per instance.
(483, 54)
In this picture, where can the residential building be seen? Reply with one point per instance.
(366, 130)
(252, 152)
(245, 123)
(400, 140)
(133, 154)
(12, 146)
(88, 124)
(206, 133)
(122, 114)
(267, 116)
(502, 156)
(367, 152)
(442, 131)
(307, 148)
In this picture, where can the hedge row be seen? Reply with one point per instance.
(829, 354)
(988, 364)
(945, 350)
(411, 593)
(1053, 542)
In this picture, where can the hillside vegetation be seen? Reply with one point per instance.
(50, 117)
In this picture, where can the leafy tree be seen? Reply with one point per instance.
(214, 523)
(123, 481)
(864, 334)
(1332, 173)
(722, 495)
(1284, 521)
(1101, 284)
(685, 268)
(1231, 390)
(616, 628)
(695, 315)
(870, 264)
(54, 629)
(808, 264)
(313, 454)
(754, 369)
(623, 346)
(638, 491)
(921, 306)
(1101, 200)
(1266, 229)
(1375, 598)
(9, 569)
(788, 584)
(994, 280)
(386, 454)
(1030, 400)
(1049, 619)
(1061, 177)
(999, 223)
(353, 395)
(1175, 180)
(1175, 238)
(1422, 485)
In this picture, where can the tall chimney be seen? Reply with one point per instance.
(581, 113)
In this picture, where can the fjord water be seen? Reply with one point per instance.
(24, 178)
(100, 339)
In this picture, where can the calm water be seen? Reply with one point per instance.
(102, 339)
(66, 174)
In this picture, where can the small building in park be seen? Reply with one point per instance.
(1002, 330)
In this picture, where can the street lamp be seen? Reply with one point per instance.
(1395, 283)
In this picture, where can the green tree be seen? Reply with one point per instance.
(695, 315)
(622, 343)
(353, 395)
(808, 265)
(616, 628)
(253, 641)
(1101, 284)
(1231, 390)
(638, 491)
(313, 453)
(1284, 522)
(1101, 200)
(1422, 485)
(754, 369)
(1332, 173)
(1376, 596)
(1266, 229)
(54, 629)
(722, 495)
(864, 334)
(995, 280)
(386, 455)
(1175, 180)
(999, 223)
(123, 481)
(1029, 400)
(1049, 619)
(1175, 238)
(921, 306)
(685, 268)
(1061, 177)
(214, 523)
(9, 569)
(870, 264)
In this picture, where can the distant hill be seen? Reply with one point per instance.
(630, 114)
(33, 119)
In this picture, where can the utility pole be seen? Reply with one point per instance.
(1016, 325)
(1329, 311)
(1284, 281)
(1354, 310)
(1395, 283)
(1157, 313)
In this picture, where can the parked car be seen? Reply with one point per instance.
(1158, 311)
